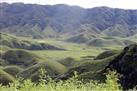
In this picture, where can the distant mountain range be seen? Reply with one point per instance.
(40, 21)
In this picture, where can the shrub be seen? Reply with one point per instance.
(72, 84)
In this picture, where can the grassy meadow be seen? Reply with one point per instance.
(72, 50)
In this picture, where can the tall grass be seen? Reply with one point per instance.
(72, 84)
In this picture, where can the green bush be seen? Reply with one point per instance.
(72, 84)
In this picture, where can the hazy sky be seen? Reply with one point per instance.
(126, 4)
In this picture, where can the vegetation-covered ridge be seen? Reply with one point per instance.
(125, 63)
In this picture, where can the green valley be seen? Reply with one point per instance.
(67, 48)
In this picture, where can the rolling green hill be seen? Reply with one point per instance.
(100, 42)
(25, 64)
(81, 38)
(22, 43)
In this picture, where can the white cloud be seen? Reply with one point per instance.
(127, 4)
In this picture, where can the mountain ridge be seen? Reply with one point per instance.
(62, 19)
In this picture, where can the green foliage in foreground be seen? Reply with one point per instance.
(73, 84)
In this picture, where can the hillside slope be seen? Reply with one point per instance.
(126, 64)
(25, 64)
(22, 43)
